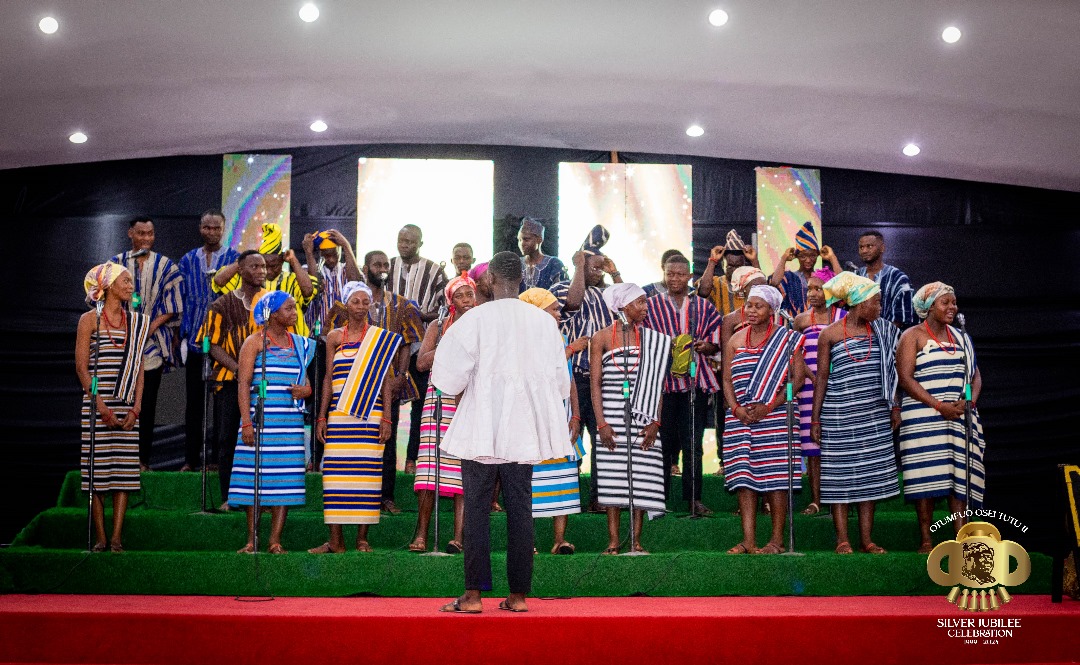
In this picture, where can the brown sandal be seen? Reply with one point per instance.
(812, 509)
(323, 549)
(872, 548)
(611, 551)
(363, 546)
(246, 549)
(276, 548)
(771, 548)
(418, 545)
(844, 548)
(742, 549)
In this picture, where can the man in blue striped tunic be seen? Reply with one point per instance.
(157, 281)
(694, 323)
(197, 268)
(896, 291)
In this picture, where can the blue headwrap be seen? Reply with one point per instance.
(806, 239)
(268, 304)
(598, 237)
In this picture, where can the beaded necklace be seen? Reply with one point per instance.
(110, 325)
(948, 336)
(345, 340)
(870, 348)
(761, 344)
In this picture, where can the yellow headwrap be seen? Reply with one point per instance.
(271, 239)
(542, 298)
(99, 279)
(850, 288)
(323, 241)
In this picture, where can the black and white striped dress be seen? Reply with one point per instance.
(613, 489)
(116, 452)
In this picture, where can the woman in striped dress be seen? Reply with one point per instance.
(755, 364)
(555, 491)
(461, 294)
(810, 323)
(280, 445)
(355, 424)
(116, 339)
(852, 418)
(640, 367)
(935, 362)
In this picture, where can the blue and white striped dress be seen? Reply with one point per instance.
(932, 448)
(857, 458)
(281, 460)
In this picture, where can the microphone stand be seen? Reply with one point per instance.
(792, 421)
(967, 420)
(316, 453)
(207, 383)
(260, 423)
(693, 403)
(628, 423)
(438, 442)
(98, 307)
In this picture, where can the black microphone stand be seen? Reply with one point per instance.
(438, 442)
(693, 404)
(260, 423)
(967, 418)
(792, 423)
(628, 422)
(93, 415)
(207, 391)
(316, 451)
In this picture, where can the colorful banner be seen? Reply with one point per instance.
(255, 189)
(786, 199)
(647, 208)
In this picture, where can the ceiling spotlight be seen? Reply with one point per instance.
(48, 25)
(718, 17)
(77, 137)
(911, 150)
(318, 126)
(309, 12)
(951, 34)
(694, 131)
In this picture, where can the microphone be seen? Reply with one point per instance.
(962, 321)
(442, 313)
(788, 319)
(851, 266)
(622, 317)
(141, 252)
(99, 307)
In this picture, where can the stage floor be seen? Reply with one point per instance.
(206, 629)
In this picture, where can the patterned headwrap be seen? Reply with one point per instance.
(530, 225)
(769, 294)
(850, 288)
(806, 239)
(271, 239)
(734, 242)
(741, 277)
(478, 270)
(620, 295)
(350, 288)
(597, 238)
(99, 279)
(925, 297)
(270, 302)
(323, 241)
(541, 298)
(824, 274)
(451, 288)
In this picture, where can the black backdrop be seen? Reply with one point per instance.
(1009, 251)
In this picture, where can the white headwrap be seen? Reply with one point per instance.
(767, 293)
(352, 287)
(618, 296)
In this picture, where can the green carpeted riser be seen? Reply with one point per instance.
(156, 530)
(24, 570)
(166, 490)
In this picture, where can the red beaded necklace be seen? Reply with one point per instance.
(637, 342)
(869, 349)
(948, 336)
(345, 340)
(110, 325)
(761, 344)
(274, 342)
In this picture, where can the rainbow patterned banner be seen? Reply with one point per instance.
(786, 199)
(255, 189)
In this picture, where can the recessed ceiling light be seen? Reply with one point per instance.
(718, 17)
(309, 12)
(951, 34)
(77, 137)
(318, 126)
(911, 150)
(48, 25)
(694, 130)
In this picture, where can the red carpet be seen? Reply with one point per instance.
(192, 629)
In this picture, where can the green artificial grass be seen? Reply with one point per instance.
(172, 549)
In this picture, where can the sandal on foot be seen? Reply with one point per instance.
(98, 547)
(323, 549)
(454, 547)
(812, 509)
(639, 549)
(771, 548)
(872, 548)
(742, 549)
(364, 546)
(246, 549)
(844, 548)
(564, 548)
(455, 607)
(418, 546)
(276, 548)
(505, 605)
(925, 548)
(611, 551)
(116, 549)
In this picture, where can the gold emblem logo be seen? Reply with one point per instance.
(978, 567)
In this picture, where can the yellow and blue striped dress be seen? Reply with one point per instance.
(281, 459)
(352, 459)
